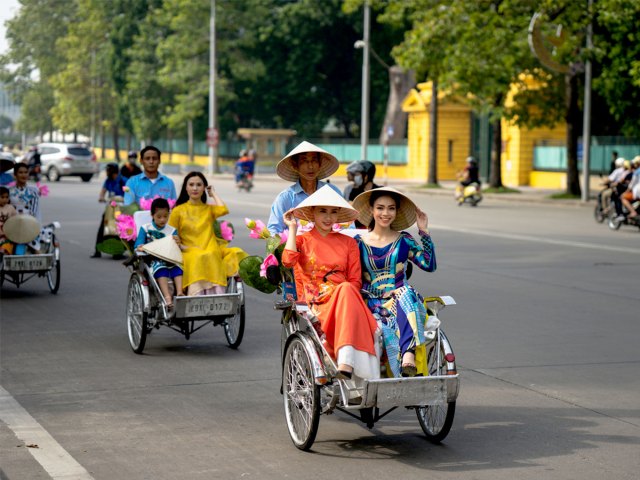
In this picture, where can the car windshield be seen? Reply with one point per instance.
(80, 151)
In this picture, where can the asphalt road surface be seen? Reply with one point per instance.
(546, 333)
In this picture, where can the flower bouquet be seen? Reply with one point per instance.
(267, 274)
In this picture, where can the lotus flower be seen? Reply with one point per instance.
(113, 203)
(145, 203)
(126, 227)
(251, 224)
(284, 235)
(172, 202)
(304, 226)
(126, 189)
(268, 261)
(226, 232)
(260, 230)
(44, 190)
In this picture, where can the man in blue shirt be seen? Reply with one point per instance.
(306, 165)
(150, 183)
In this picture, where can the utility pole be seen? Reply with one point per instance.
(586, 119)
(212, 134)
(364, 116)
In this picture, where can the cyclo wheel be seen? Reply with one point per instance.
(137, 323)
(53, 275)
(301, 396)
(598, 213)
(234, 326)
(436, 420)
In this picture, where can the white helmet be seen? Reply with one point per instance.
(619, 162)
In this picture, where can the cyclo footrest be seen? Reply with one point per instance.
(411, 391)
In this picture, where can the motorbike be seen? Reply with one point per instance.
(614, 222)
(471, 194)
(245, 181)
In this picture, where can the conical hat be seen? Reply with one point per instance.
(6, 164)
(164, 248)
(325, 197)
(21, 228)
(287, 171)
(405, 212)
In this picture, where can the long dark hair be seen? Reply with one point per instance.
(184, 196)
(376, 194)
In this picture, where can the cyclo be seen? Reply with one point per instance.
(19, 268)
(310, 385)
(147, 309)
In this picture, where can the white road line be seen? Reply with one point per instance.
(54, 459)
(530, 238)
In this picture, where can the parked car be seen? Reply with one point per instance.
(67, 159)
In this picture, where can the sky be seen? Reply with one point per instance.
(8, 9)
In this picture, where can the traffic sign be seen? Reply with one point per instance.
(212, 137)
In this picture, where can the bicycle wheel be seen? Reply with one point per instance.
(137, 323)
(53, 275)
(301, 396)
(598, 214)
(234, 326)
(436, 420)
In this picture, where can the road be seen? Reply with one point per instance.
(545, 331)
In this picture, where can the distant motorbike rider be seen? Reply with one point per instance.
(130, 168)
(360, 175)
(468, 175)
(33, 161)
(245, 166)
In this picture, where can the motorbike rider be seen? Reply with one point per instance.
(470, 174)
(633, 190)
(244, 167)
(33, 161)
(360, 175)
(620, 187)
(130, 168)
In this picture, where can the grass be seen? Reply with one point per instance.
(564, 196)
(502, 189)
(431, 185)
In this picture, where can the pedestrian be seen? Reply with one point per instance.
(6, 212)
(113, 186)
(306, 165)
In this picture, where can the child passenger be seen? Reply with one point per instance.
(6, 212)
(155, 230)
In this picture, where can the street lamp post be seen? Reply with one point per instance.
(364, 112)
(212, 139)
(586, 119)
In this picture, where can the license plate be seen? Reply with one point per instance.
(23, 264)
(207, 306)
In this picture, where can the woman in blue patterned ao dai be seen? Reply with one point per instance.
(384, 252)
(26, 198)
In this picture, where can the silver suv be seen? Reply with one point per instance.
(67, 159)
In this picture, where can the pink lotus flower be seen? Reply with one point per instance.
(251, 224)
(268, 262)
(260, 230)
(126, 189)
(44, 190)
(172, 202)
(11, 184)
(225, 231)
(304, 226)
(126, 227)
(284, 235)
(113, 204)
(145, 203)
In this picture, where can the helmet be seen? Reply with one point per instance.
(626, 164)
(369, 169)
(636, 160)
(132, 154)
(619, 162)
(355, 167)
(111, 168)
(242, 153)
(471, 159)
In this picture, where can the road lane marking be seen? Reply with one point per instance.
(49, 454)
(531, 238)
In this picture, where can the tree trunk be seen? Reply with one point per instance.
(190, 139)
(572, 119)
(128, 140)
(116, 142)
(170, 146)
(103, 138)
(432, 177)
(400, 83)
(495, 176)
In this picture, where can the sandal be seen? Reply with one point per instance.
(344, 375)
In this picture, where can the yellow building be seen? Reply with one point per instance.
(454, 136)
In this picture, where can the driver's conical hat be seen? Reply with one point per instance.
(287, 171)
(164, 248)
(325, 197)
(21, 228)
